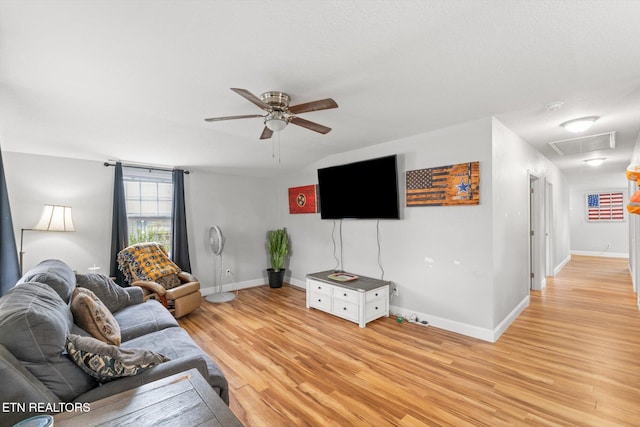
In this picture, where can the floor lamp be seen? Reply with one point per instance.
(53, 218)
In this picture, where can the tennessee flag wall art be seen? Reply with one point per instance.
(445, 185)
(303, 199)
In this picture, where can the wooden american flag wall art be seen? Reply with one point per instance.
(450, 185)
(605, 206)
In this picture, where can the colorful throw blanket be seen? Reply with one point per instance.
(145, 261)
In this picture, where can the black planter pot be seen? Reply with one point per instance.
(275, 277)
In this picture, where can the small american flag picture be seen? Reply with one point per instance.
(605, 207)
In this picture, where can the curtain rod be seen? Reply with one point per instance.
(153, 168)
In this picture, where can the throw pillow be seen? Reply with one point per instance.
(106, 362)
(169, 281)
(111, 294)
(91, 315)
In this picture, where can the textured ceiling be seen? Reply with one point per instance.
(133, 80)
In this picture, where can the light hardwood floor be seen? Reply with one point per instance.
(571, 358)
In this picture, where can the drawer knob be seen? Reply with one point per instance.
(376, 308)
(344, 308)
(319, 300)
(345, 295)
(376, 294)
(319, 287)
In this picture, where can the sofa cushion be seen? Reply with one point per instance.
(175, 343)
(93, 316)
(54, 273)
(106, 362)
(62, 377)
(34, 324)
(113, 296)
(140, 319)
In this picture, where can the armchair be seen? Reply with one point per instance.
(148, 266)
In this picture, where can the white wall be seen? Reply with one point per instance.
(513, 162)
(86, 186)
(462, 268)
(589, 238)
(241, 206)
(634, 229)
(454, 288)
(244, 210)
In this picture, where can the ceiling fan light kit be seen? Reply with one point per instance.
(279, 113)
(579, 125)
(275, 121)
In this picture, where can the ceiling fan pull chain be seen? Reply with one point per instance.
(275, 148)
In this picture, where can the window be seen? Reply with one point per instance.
(149, 197)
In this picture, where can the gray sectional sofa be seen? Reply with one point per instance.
(36, 319)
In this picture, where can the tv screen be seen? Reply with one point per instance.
(360, 190)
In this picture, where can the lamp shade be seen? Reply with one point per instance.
(55, 218)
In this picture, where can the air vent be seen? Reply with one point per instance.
(585, 144)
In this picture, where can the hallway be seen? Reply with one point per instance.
(584, 330)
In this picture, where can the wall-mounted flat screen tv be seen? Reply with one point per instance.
(362, 190)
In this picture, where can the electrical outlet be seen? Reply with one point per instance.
(228, 272)
(396, 292)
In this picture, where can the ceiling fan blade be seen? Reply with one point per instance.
(266, 133)
(309, 125)
(323, 104)
(218, 119)
(251, 97)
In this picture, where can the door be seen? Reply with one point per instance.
(537, 246)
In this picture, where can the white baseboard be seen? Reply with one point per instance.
(228, 287)
(562, 264)
(297, 283)
(602, 254)
(446, 324)
(499, 330)
(464, 328)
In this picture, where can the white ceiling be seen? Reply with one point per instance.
(133, 80)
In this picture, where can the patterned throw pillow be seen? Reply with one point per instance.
(106, 362)
(91, 315)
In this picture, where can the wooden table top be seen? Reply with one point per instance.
(184, 399)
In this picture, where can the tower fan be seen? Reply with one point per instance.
(217, 244)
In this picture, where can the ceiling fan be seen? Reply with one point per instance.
(279, 113)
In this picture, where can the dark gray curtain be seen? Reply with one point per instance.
(119, 232)
(9, 268)
(179, 243)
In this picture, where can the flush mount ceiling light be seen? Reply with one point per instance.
(579, 125)
(595, 162)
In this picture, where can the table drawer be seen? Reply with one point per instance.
(320, 301)
(345, 295)
(319, 287)
(376, 293)
(345, 309)
(375, 309)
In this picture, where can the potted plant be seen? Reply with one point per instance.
(278, 247)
